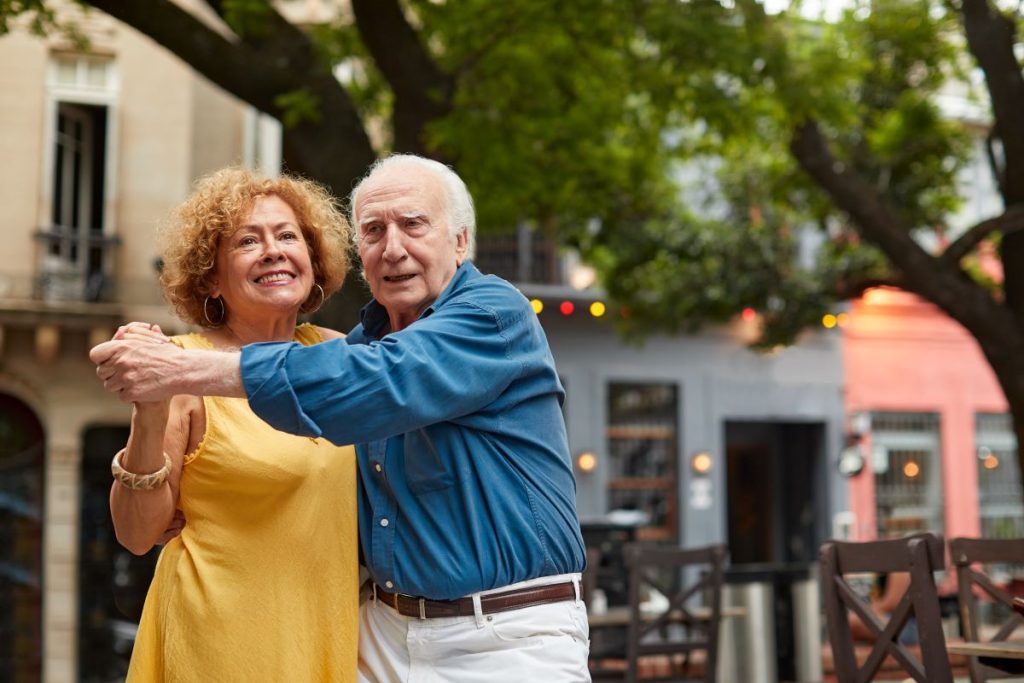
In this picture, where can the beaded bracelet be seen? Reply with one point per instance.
(139, 482)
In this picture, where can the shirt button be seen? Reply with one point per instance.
(388, 584)
(384, 522)
(377, 466)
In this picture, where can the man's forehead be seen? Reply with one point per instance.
(404, 191)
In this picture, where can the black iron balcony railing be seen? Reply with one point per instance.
(524, 258)
(75, 265)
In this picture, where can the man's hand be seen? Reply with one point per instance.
(138, 367)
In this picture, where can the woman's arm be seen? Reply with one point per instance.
(141, 516)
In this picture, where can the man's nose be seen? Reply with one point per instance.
(394, 244)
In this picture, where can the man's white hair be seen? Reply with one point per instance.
(459, 204)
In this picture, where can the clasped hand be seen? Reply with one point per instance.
(136, 364)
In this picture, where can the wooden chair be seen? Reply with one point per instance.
(920, 555)
(588, 583)
(679, 642)
(967, 553)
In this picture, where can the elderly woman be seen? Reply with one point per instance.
(262, 582)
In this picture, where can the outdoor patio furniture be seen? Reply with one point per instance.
(919, 555)
(675, 636)
(973, 581)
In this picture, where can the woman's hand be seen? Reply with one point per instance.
(142, 332)
(146, 332)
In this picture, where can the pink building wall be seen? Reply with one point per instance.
(901, 353)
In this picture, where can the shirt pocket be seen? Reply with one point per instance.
(425, 469)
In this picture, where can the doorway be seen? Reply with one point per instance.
(775, 479)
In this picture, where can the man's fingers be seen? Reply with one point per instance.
(101, 353)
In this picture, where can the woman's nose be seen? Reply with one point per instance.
(272, 251)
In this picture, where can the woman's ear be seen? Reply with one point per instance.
(212, 285)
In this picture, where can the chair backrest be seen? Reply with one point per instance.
(967, 554)
(919, 555)
(682, 632)
(588, 583)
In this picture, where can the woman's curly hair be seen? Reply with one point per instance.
(216, 208)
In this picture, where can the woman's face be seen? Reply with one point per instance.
(264, 267)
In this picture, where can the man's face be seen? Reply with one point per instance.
(408, 254)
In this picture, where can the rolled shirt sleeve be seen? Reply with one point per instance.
(269, 390)
(442, 367)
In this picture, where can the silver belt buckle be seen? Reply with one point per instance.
(423, 608)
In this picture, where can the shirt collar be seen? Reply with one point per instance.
(374, 316)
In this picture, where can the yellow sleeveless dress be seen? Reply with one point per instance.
(262, 583)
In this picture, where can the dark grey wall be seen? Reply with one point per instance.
(719, 380)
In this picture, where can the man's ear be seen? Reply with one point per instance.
(461, 246)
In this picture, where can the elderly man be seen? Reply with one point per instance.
(467, 501)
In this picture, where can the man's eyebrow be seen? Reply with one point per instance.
(372, 218)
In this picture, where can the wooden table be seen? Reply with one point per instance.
(1006, 656)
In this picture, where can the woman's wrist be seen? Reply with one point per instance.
(147, 480)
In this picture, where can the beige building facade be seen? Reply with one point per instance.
(99, 145)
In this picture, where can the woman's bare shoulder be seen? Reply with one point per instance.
(327, 333)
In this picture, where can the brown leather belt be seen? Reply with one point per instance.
(423, 608)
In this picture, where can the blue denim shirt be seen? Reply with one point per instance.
(466, 480)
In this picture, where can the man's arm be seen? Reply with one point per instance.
(447, 365)
(144, 371)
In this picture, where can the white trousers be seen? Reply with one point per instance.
(544, 643)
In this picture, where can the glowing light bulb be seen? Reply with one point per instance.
(701, 463)
(597, 309)
(586, 461)
(537, 305)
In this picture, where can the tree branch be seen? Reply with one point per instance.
(859, 199)
(1012, 220)
(334, 148)
(991, 38)
(942, 283)
(423, 92)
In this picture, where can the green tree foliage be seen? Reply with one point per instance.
(687, 148)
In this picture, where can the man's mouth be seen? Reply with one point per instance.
(274, 277)
(399, 278)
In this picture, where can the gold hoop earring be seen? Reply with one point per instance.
(206, 311)
(323, 297)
